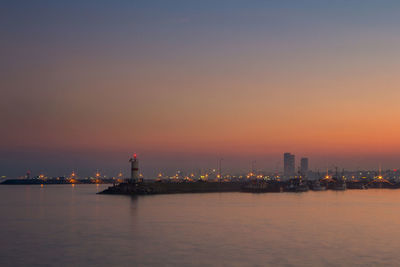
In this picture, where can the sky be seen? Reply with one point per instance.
(84, 84)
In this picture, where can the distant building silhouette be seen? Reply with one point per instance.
(304, 165)
(289, 165)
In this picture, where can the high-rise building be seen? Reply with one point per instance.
(304, 165)
(289, 165)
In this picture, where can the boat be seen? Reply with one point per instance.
(340, 186)
(301, 188)
(356, 185)
(297, 185)
(316, 186)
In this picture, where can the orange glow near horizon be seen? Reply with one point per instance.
(224, 116)
(338, 133)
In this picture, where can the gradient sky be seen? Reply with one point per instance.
(86, 83)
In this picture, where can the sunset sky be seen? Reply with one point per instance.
(86, 83)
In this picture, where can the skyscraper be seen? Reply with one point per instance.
(304, 165)
(289, 165)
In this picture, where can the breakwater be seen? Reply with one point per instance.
(254, 186)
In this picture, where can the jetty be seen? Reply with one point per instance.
(151, 187)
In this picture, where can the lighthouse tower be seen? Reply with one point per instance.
(134, 169)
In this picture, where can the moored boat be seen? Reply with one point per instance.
(340, 186)
(302, 188)
(316, 186)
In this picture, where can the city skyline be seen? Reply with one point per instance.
(287, 167)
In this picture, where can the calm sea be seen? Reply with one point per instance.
(62, 225)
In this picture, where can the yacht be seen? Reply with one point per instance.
(316, 186)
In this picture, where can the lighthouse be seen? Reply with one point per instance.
(134, 169)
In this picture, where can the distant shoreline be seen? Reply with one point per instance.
(55, 182)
